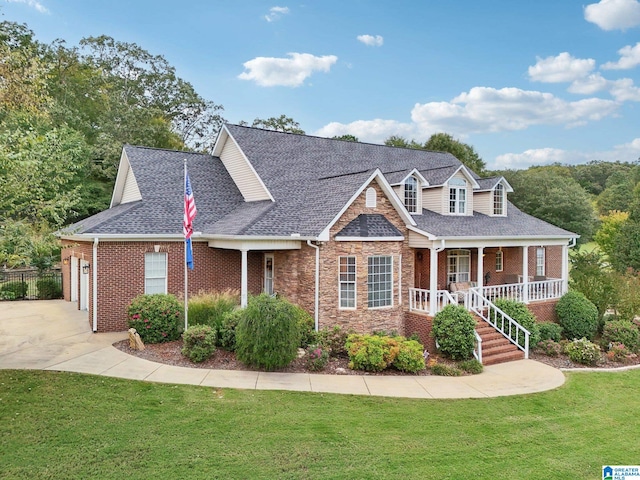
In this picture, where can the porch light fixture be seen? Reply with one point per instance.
(86, 268)
(65, 261)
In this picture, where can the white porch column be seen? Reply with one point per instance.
(433, 281)
(565, 269)
(525, 274)
(480, 272)
(244, 280)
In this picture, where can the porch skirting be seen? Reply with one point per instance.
(420, 323)
(544, 310)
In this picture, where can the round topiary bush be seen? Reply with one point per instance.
(453, 329)
(577, 316)
(521, 314)
(157, 318)
(621, 331)
(268, 333)
(199, 343)
(549, 331)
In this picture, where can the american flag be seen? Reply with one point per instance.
(189, 214)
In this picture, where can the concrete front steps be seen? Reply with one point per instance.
(495, 347)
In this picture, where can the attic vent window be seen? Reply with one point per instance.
(498, 200)
(457, 196)
(371, 197)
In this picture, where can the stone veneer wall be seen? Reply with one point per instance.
(121, 274)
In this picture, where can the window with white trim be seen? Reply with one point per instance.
(155, 273)
(347, 282)
(380, 281)
(540, 262)
(498, 200)
(457, 196)
(499, 261)
(458, 266)
(411, 194)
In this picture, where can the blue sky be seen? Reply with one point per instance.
(524, 82)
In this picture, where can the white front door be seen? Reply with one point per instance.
(84, 287)
(73, 284)
(268, 274)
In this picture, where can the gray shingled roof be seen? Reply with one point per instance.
(310, 178)
(488, 183)
(369, 226)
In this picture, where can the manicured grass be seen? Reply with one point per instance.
(63, 425)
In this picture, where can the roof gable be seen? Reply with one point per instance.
(126, 188)
(371, 227)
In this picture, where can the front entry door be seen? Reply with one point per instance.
(268, 274)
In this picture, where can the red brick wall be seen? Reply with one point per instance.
(544, 311)
(422, 325)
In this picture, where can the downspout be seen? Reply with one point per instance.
(316, 299)
(94, 290)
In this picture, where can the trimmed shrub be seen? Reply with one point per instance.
(583, 351)
(268, 333)
(334, 339)
(444, 370)
(549, 331)
(317, 357)
(371, 353)
(577, 316)
(157, 318)
(471, 366)
(226, 335)
(410, 357)
(307, 327)
(521, 314)
(209, 308)
(549, 347)
(199, 343)
(621, 331)
(619, 353)
(453, 329)
(48, 288)
(14, 290)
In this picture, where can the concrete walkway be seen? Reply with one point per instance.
(54, 335)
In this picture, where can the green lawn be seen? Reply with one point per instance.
(62, 425)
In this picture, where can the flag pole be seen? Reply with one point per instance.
(186, 288)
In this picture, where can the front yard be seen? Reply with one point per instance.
(62, 425)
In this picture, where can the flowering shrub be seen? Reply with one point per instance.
(199, 342)
(317, 357)
(549, 347)
(621, 331)
(157, 318)
(583, 351)
(374, 353)
(618, 352)
(334, 339)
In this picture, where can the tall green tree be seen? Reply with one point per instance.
(279, 124)
(626, 252)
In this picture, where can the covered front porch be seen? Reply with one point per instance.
(455, 272)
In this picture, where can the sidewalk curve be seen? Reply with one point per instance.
(54, 335)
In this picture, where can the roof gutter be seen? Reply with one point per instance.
(317, 275)
(94, 292)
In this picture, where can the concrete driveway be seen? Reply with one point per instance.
(54, 335)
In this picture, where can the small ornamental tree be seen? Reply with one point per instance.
(157, 318)
(577, 316)
(453, 329)
(268, 333)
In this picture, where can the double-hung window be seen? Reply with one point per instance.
(457, 196)
(499, 261)
(458, 266)
(498, 200)
(411, 194)
(155, 273)
(540, 262)
(380, 281)
(347, 282)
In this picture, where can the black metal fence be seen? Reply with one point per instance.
(30, 285)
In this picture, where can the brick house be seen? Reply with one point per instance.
(365, 236)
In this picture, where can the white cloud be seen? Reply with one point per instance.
(562, 68)
(286, 72)
(371, 40)
(32, 3)
(629, 58)
(627, 152)
(589, 85)
(624, 90)
(613, 14)
(481, 110)
(275, 13)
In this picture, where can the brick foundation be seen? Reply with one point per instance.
(422, 325)
(544, 311)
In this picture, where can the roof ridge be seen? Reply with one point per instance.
(167, 150)
(348, 174)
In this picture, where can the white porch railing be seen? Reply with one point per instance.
(546, 289)
(420, 300)
(542, 290)
(510, 329)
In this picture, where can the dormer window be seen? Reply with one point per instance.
(498, 200)
(457, 196)
(411, 194)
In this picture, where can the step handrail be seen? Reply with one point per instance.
(498, 319)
